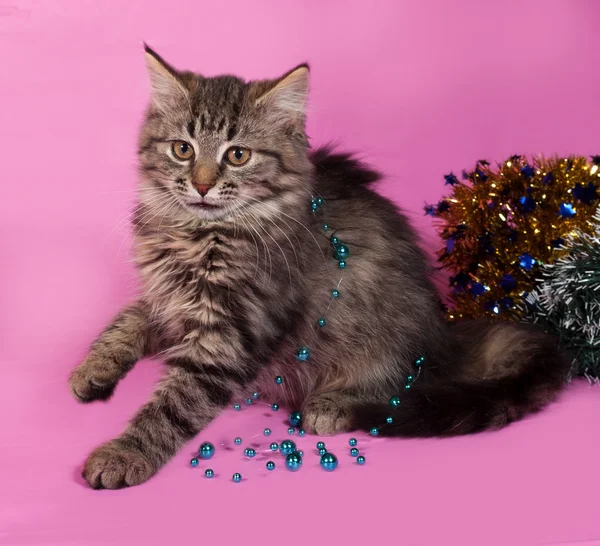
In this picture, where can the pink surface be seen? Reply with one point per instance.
(421, 88)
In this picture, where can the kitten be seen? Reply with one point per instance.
(237, 268)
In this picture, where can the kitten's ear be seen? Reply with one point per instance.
(166, 87)
(287, 95)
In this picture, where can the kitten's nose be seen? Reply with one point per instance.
(202, 189)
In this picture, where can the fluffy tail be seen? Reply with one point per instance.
(502, 372)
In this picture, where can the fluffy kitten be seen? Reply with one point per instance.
(236, 269)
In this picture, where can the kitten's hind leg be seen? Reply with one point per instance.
(328, 413)
(112, 355)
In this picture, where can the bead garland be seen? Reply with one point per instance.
(293, 457)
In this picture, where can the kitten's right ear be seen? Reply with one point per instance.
(166, 87)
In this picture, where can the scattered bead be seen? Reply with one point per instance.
(249, 452)
(319, 201)
(301, 453)
(360, 460)
(354, 452)
(237, 441)
(407, 386)
(274, 446)
(419, 361)
(374, 431)
(237, 477)
(410, 378)
(209, 473)
(301, 432)
(194, 462)
(293, 461)
(389, 419)
(255, 395)
(270, 465)
(395, 401)
(334, 240)
(291, 431)
(321, 322)
(352, 442)
(295, 418)
(278, 380)
(342, 264)
(248, 401)
(329, 462)
(237, 407)
(322, 451)
(207, 450)
(320, 445)
(274, 407)
(325, 227)
(267, 432)
(335, 293)
(303, 354)
(286, 447)
(341, 252)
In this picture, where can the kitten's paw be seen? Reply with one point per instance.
(325, 416)
(113, 466)
(94, 379)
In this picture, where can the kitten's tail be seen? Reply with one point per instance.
(504, 371)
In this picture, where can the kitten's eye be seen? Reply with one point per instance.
(237, 156)
(182, 150)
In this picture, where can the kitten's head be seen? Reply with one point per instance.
(213, 147)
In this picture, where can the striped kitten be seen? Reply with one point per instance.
(236, 269)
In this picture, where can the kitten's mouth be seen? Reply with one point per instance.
(202, 205)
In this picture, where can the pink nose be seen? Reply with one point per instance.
(202, 189)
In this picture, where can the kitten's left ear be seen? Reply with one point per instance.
(287, 95)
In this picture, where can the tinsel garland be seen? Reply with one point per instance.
(499, 224)
(566, 301)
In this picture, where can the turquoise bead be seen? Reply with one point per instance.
(389, 419)
(395, 401)
(410, 378)
(325, 227)
(320, 445)
(322, 451)
(301, 432)
(270, 465)
(295, 418)
(286, 447)
(407, 386)
(194, 462)
(237, 407)
(314, 206)
(237, 477)
(237, 441)
(207, 450)
(329, 462)
(342, 251)
(334, 241)
(342, 264)
(360, 460)
(255, 395)
(319, 201)
(249, 452)
(293, 461)
(335, 293)
(278, 380)
(354, 452)
(419, 361)
(374, 431)
(267, 432)
(248, 401)
(352, 442)
(274, 446)
(303, 354)
(209, 473)
(274, 407)
(291, 431)
(321, 322)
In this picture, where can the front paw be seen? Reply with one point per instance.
(94, 379)
(326, 416)
(114, 466)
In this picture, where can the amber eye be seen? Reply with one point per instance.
(237, 156)
(182, 150)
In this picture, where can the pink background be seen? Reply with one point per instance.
(420, 88)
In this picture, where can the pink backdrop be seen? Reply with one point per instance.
(421, 88)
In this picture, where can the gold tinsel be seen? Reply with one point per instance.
(500, 224)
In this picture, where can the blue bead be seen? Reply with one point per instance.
(237, 477)
(360, 460)
(352, 442)
(303, 354)
(325, 227)
(319, 200)
(237, 407)
(295, 418)
(342, 264)
(407, 386)
(320, 445)
(274, 446)
(291, 431)
(286, 447)
(301, 453)
(389, 419)
(274, 407)
(322, 451)
(237, 441)
(321, 322)
(293, 461)
(270, 465)
(267, 432)
(278, 380)
(209, 473)
(314, 206)
(207, 450)
(329, 462)
(410, 378)
(334, 241)
(249, 401)
(255, 395)
(335, 293)
(341, 252)
(301, 432)
(419, 361)
(249, 452)
(395, 401)
(354, 452)
(374, 431)
(194, 462)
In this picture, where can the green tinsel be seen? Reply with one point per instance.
(566, 301)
